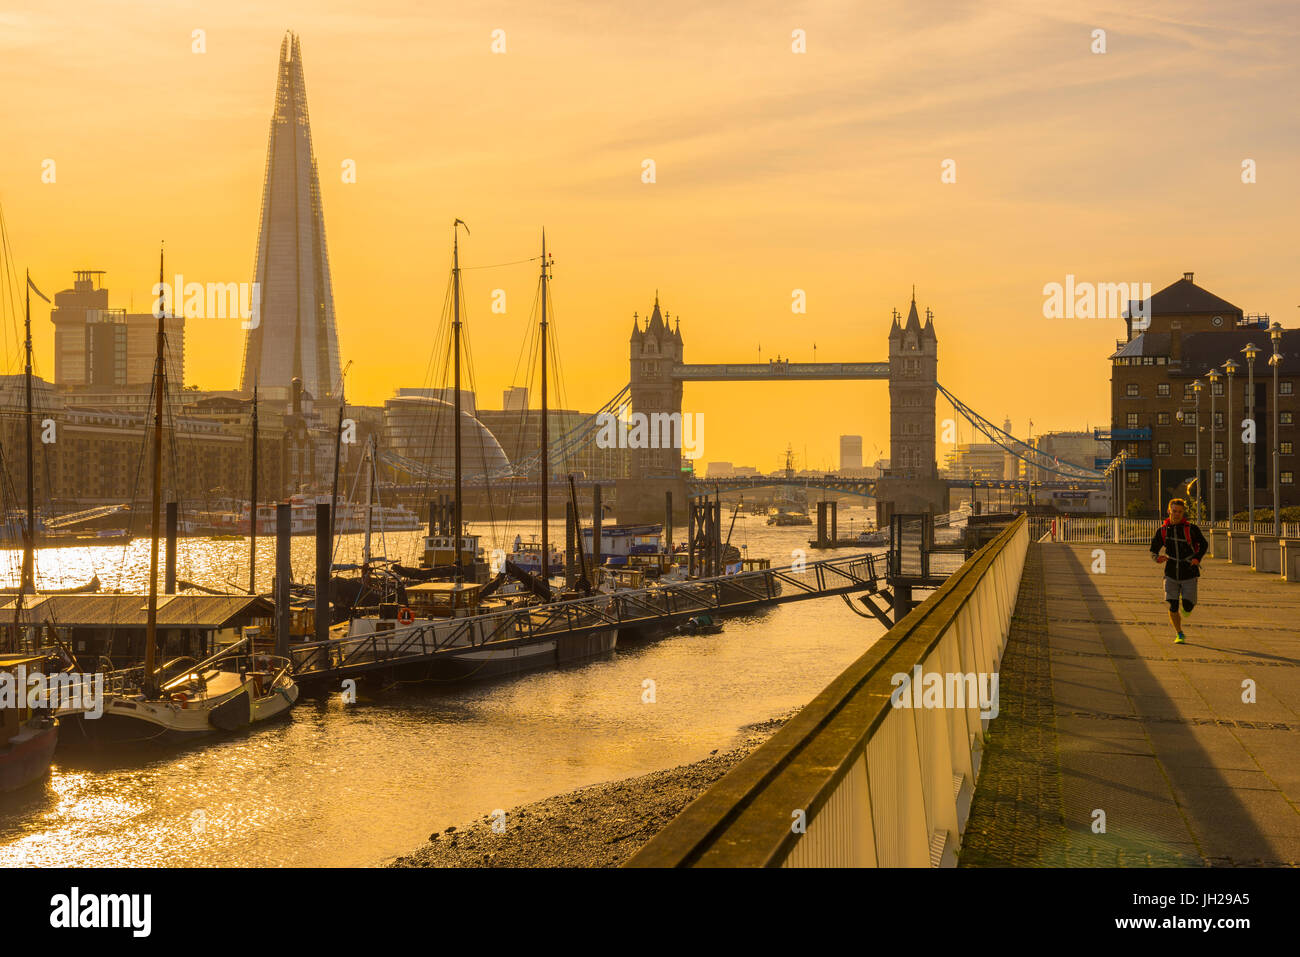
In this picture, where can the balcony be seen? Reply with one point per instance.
(1122, 435)
(1130, 464)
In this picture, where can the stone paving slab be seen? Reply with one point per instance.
(1101, 712)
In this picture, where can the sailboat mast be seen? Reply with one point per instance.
(338, 451)
(252, 507)
(160, 386)
(370, 504)
(455, 427)
(29, 540)
(546, 459)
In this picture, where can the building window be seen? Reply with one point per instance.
(1288, 478)
(1218, 390)
(1218, 480)
(1162, 418)
(1218, 424)
(1187, 390)
(1286, 448)
(1284, 418)
(1132, 420)
(1134, 478)
(1189, 418)
(1162, 388)
(1162, 448)
(1189, 448)
(1284, 388)
(1131, 389)
(1218, 454)
(1133, 449)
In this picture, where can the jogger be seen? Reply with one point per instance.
(1184, 547)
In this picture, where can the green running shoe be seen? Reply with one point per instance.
(1178, 639)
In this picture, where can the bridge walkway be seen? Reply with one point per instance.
(1100, 711)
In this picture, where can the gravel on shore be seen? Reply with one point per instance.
(601, 825)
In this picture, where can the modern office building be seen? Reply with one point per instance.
(103, 349)
(295, 336)
(977, 461)
(850, 452)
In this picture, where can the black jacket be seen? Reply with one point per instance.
(1181, 543)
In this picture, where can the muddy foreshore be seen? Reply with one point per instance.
(601, 825)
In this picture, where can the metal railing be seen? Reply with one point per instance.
(1088, 529)
(852, 779)
(662, 604)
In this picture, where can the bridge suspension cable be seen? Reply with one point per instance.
(1019, 448)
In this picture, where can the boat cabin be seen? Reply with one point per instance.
(615, 578)
(14, 712)
(443, 599)
(440, 551)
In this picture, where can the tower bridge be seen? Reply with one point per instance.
(659, 370)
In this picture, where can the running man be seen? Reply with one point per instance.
(1184, 547)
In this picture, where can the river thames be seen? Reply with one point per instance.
(358, 784)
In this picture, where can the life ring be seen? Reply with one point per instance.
(405, 615)
(182, 699)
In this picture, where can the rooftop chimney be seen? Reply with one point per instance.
(1188, 276)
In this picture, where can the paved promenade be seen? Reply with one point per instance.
(1102, 712)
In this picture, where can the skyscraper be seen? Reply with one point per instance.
(295, 336)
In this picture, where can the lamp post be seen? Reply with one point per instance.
(1275, 360)
(1214, 386)
(1230, 368)
(1251, 352)
(1196, 390)
(1123, 485)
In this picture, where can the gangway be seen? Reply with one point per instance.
(86, 515)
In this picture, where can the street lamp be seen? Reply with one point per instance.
(1275, 360)
(1230, 367)
(1251, 352)
(1214, 377)
(1196, 390)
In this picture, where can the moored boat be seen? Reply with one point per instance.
(27, 735)
(229, 691)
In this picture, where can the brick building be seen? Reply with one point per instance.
(1191, 333)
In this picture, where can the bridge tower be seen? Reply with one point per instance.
(912, 484)
(653, 351)
(913, 372)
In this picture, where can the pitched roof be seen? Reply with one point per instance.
(131, 611)
(1184, 298)
(1146, 344)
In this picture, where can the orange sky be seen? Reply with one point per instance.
(775, 171)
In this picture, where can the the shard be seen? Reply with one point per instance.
(295, 336)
